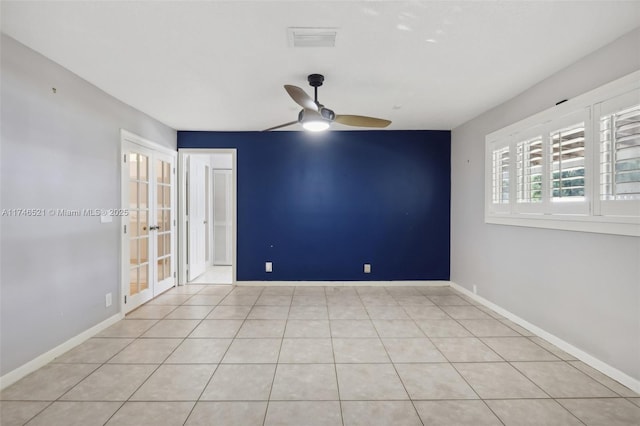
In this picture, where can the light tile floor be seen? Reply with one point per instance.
(215, 275)
(218, 355)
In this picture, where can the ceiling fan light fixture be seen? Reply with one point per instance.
(315, 125)
(313, 121)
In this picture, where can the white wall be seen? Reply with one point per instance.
(59, 150)
(222, 161)
(583, 288)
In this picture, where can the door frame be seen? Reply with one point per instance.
(128, 138)
(182, 203)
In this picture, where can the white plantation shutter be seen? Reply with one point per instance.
(567, 163)
(530, 167)
(619, 137)
(501, 175)
(567, 172)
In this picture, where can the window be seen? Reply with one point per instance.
(575, 166)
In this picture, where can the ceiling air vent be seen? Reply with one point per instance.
(312, 37)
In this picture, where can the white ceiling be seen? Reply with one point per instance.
(214, 65)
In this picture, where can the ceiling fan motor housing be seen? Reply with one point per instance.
(325, 114)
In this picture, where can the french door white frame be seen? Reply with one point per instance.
(129, 141)
(182, 209)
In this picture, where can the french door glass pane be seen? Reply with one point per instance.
(144, 249)
(167, 197)
(143, 168)
(166, 223)
(160, 246)
(133, 281)
(167, 172)
(159, 171)
(133, 223)
(133, 195)
(143, 189)
(133, 252)
(144, 274)
(159, 193)
(160, 270)
(133, 166)
(167, 267)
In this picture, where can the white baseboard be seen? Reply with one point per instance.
(343, 283)
(590, 360)
(42, 360)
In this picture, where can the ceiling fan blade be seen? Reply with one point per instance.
(281, 125)
(361, 121)
(301, 97)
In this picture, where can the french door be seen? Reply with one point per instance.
(148, 192)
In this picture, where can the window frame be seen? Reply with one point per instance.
(621, 217)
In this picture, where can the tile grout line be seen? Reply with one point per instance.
(223, 355)
(394, 366)
(275, 370)
(451, 364)
(456, 370)
(335, 367)
(166, 358)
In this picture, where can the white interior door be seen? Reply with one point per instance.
(197, 216)
(222, 219)
(148, 192)
(164, 233)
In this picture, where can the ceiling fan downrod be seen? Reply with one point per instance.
(315, 81)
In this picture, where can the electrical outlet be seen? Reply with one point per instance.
(367, 268)
(268, 267)
(475, 289)
(107, 300)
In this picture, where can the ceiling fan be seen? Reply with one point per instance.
(315, 117)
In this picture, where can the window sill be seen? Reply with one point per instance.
(629, 226)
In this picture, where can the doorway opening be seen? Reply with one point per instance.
(207, 212)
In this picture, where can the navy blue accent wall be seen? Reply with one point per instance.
(319, 206)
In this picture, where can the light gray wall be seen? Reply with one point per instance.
(58, 151)
(583, 288)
